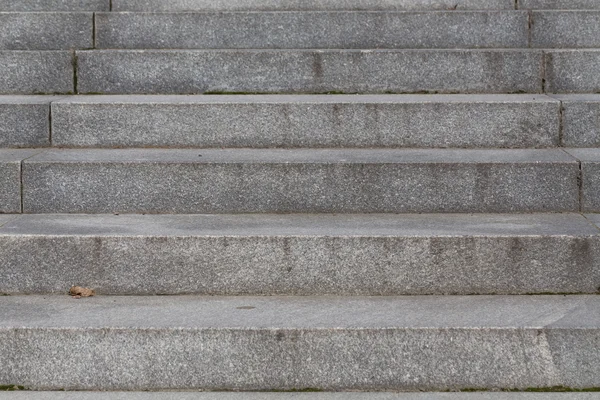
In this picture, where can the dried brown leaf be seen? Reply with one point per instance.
(78, 292)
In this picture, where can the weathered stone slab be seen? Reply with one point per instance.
(590, 171)
(54, 5)
(323, 254)
(558, 4)
(312, 30)
(45, 30)
(309, 71)
(488, 121)
(308, 5)
(281, 343)
(25, 121)
(565, 29)
(306, 181)
(572, 71)
(581, 119)
(36, 72)
(10, 179)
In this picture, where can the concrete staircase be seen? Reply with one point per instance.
(360, 196)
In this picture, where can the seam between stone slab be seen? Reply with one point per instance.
(22, 181)
(579, 178)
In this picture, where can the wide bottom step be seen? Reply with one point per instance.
(299, 343)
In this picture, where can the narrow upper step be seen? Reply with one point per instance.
(321, 254)
(312, 30)
(303, 180)
(299, 121)
(262, 343)
(295, 5)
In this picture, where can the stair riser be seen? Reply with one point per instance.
(304, 188)
(312, 30)
(303, 122)
(280, 359)
(36, 72)
(54, 5)
(46, 31)
(309, 71)
(222, 265)
(557, 4)
(292, 5)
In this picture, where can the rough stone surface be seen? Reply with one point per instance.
(312, 30)
(54, 5)
(572, 71)
(332, 343)
(301, 254)
(293, 396)
(488, 121)
(348, 181)
(307, 5)
(36, 72)
(559, 4)
(24, 121)
(309, 71)
(590, 185)
(45, 30)
(581, 120)
(10, 179)
(565, 29)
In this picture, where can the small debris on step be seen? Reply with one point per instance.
(78, 292)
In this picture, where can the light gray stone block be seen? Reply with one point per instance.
(580, 119)
(590, 171)
(54, 5)
(559, 4)
(25, 121)
(45, 30)
(36, 72)
(312, 30)
(309, 5)
(346, 181)
(572, 71)
(10, 179)
(372, 254)
(309, 71)
(28, 395)
(488, 121)
(565, 29)
(332, 343)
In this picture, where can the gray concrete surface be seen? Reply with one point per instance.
(10, 179)
(572, 71)
(590, 183)
(25, 121)
(565, 29)
(299, 5)
(332, 343)
(488, 121)
(309, 71)
(371, 254)
(45, 30)
(559, 4)
(54, 5)
(580, 119)
(306, 181)
(36, 72)
(312, 30)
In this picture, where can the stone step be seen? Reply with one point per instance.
(308, 5)
(171, 395)
(590, 171)
(36, 72)
(283, 343)
(249, 254)
(309, 71)
(302, 180)
(54, 5)
(25, 121)
(312, 30)
(46, 30)
(565, 29)
(10, 178)
(505, 121)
